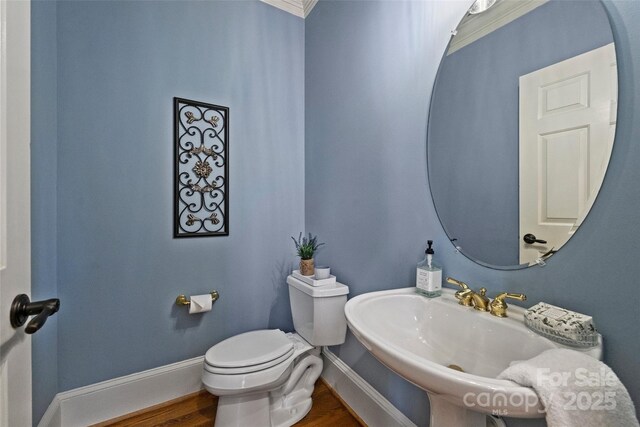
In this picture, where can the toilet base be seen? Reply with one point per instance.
(291, 402)
(288, 417)
(240, 411)
(281, 407)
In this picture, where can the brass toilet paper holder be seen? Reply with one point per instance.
(182, 300)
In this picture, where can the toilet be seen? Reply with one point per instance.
(266, 377)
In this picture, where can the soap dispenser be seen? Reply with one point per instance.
(429, 275)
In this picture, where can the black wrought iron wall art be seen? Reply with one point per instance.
(201, 133)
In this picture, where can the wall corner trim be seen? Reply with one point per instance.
(372, 407)
(88, 405)
(299, 8)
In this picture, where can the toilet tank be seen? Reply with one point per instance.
(318, 311)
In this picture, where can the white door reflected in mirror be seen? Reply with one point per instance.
(567, 128)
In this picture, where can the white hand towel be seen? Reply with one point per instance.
(575, 389)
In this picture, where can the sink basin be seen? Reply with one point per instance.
(427, 340)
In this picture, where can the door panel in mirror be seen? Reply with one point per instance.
(565, 145)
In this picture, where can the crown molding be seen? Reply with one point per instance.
(474, 27)
(299, 8)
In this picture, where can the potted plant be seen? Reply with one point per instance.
(306, 247)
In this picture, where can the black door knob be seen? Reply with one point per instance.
(22, 308)
(530, 239)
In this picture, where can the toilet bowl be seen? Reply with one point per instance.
(266, 377)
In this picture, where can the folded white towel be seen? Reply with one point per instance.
(575, 389)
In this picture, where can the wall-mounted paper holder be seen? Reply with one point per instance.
(182, 300)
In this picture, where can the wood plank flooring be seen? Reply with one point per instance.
(199, 409)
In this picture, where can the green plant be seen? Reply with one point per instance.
(306, 247)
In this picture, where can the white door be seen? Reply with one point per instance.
(567, 124)
(15, 250)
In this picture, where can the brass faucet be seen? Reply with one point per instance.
(465, 294)
(468, 297)
(480, 300)
(499, 307)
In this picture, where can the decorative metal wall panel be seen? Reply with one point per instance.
(201, 169)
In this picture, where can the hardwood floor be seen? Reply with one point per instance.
(199, 409)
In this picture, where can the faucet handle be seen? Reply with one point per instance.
(499, 306)
(464, 294)
(503, 295)
(457, 283)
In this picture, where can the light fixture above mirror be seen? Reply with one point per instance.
(480, 6)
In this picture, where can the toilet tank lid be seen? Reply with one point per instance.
(324, 291)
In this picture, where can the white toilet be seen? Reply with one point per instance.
(265, 378)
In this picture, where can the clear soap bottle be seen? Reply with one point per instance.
(429, 275)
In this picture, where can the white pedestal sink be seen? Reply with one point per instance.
(421, 339)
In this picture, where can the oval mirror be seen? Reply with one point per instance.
(521, 127)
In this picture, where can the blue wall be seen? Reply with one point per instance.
(369, 71)
(44, 128)
(473, 158)
(119, 269)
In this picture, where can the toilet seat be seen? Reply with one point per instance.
(249, 352)
(248, 369)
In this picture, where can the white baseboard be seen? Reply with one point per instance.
(113, 398)
(370, 405)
